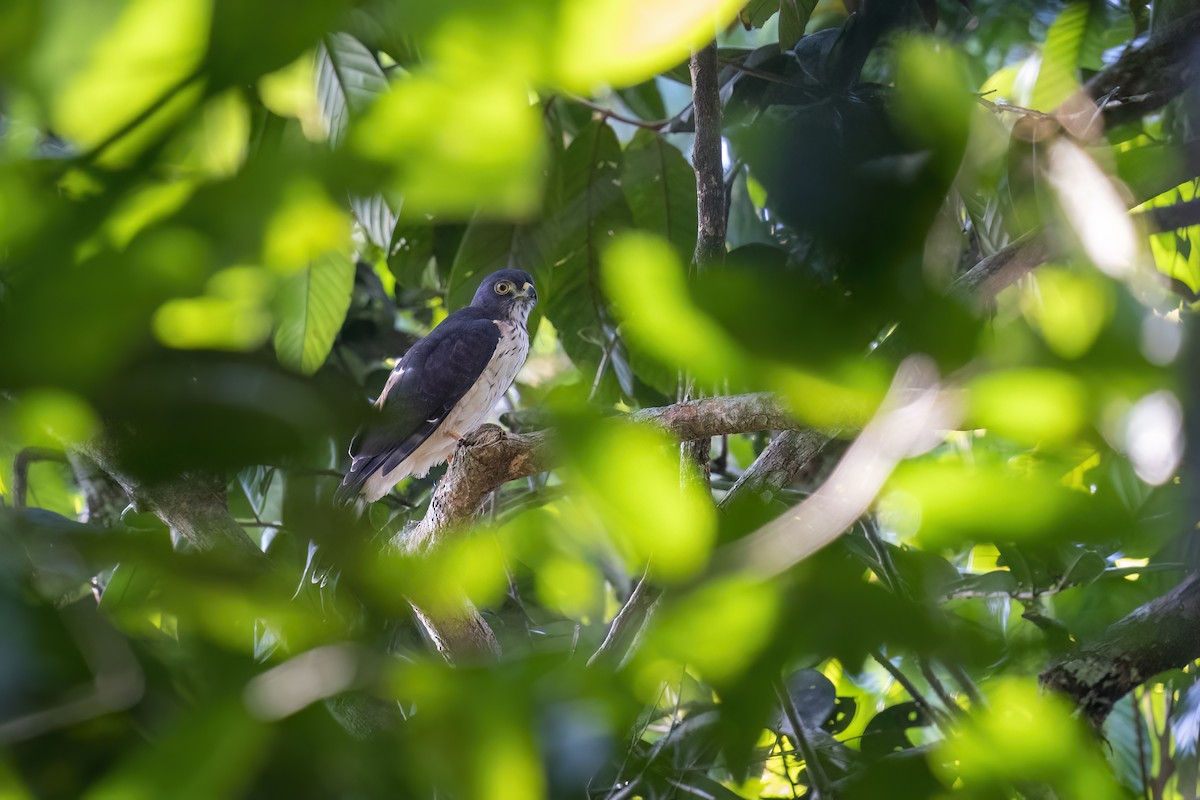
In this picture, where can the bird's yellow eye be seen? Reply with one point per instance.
(503, 287)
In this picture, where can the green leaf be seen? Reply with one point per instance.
(592, 211)
(660, 188)
(212, 752)
(454, 142)
(411, 252)
(645, 100)
(376, 218)
(813, 696)
(348, 81)
(887, 732)
(129, 587)
(793, 18)
(1058, 77)
(757, 12)
(313, 307)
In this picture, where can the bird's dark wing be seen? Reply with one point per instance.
(431, 378)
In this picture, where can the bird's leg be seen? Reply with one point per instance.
(458, 437)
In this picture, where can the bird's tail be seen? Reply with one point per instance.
(351, 486)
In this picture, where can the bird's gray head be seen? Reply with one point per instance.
(507, 294)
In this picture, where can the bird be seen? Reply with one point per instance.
(443, 388)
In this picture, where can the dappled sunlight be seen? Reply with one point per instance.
(606, 399)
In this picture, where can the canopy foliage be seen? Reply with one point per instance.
(946, 345)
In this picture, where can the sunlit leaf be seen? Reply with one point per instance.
(426, 133)
(648, 284)
(696, 629)
(305, 226)
(1026, 735)
(615, 466)
(1177, 252)
(1058, 76)
(215, 143)
(1069, 308)
(1030, 406)
(142, 60)
(626, 41)
(312, 307)
(953, 501)
(291, 92)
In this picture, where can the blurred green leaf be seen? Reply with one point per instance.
(1069, 308)
(212, 753)
(1030, 406)
(614, 465)
(312, 308)
(696, 629)
(648, 284)
(957, 502)
(1058, 75)
(142, 62)
(1025, 735)
(422, 135)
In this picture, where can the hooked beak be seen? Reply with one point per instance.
(527, 291)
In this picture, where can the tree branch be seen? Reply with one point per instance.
(1003, 268)
(192, 505)
(1173, 217)
(1146, 79)
(1141, 81)
(104, 498)
(777, 465)
(707, 158)
(489, 457)
(1160, 635)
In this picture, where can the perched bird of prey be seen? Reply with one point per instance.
(443, 388)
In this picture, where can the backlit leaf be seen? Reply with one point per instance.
(312, 308)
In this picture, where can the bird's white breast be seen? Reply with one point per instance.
(498, 375)
(467, 415)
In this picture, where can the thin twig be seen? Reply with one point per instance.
(935, 714)
(652, 125)
(935, 683)
(964, 680)
(1138, 723)
(819, 782)
(896, 583)
(21, 464)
